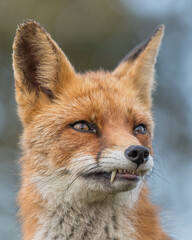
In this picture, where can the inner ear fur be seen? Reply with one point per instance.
(39, 64)
(137, 69)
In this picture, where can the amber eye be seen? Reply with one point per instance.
(83, 126)
(141, 128)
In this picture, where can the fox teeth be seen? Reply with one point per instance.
(113, 174)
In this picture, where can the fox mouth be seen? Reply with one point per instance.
(117, 175)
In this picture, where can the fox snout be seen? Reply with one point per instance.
(137, 154)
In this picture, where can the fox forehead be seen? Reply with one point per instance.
(100, 94)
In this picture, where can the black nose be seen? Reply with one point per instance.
(137, 154)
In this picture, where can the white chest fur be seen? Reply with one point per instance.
(98, 222)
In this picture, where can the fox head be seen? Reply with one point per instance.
(85, 135)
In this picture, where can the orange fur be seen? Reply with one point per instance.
(51, 96)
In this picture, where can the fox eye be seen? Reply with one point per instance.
(141, 128)
(83, 126)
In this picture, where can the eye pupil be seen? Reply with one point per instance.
(83, 126)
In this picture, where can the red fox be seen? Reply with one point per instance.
(86, 142)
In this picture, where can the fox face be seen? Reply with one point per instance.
(85, 135)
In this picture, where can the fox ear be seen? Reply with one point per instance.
(40, 66)
(137, 68)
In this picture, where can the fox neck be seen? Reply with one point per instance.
(113, 218)
(98, 221)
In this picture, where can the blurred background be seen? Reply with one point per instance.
(98, 34)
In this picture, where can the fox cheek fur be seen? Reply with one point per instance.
(87, 137)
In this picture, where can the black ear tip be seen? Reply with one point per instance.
(160, 26)
(159, 29)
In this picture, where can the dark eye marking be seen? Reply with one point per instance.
(84, 126)
(140, 129)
